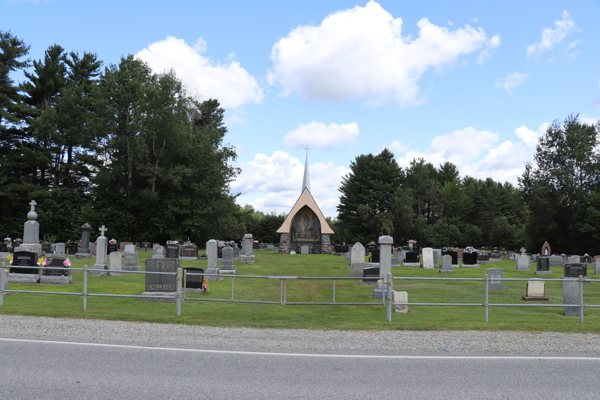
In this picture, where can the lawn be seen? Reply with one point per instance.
(369, 317)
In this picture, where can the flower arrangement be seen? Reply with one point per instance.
(10, 257)
(205, 285)
(470, 249)
(40, 261)
(411, 243)
(67, 263)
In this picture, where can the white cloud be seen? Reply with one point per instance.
(589, 120)
(474, 19)
(551, 37)
(361, 53)
(477, 154)
(273, 183)
(228, 82)
(321, 136)
(396, 147)
(571, 50)
(486, 54)
(511, 81)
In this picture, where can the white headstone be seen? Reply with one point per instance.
(535, 288)
(303, 249)
(130, 248)
(115, 263)
(428, 261)
(357, 254)
(101, 243)
(522, 263)
(400, 297)
(385, 256)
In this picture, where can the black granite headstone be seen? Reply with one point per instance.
(411, 257)
(255, 246)
(24, 259)
(574, 270)
(194, 282)
(47, 247)
(172, 251)
(375, 253)
(371, 272)
(543, 263)
(3, 248)
(189, 251)
(469, 258)
(111, 248)
(73, 248)
(56, 262)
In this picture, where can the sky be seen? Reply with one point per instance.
(470, 82)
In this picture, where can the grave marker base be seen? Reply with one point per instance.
(56, 280)
(543, 272)
(470, 266)
(412, 265)
(147, 300)
(23, 278)
(535, 298)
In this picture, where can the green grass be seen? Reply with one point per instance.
(537, 319)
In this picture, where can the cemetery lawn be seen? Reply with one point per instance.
(343, 317)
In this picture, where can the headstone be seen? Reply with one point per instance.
(190, 252)
(494, 276)
(112, 247)
(523, 250)
(228, 266)
(159, 252)
(3, 247)
(115, 264)
(123, 244)
(385, 256)
(54, 276)
(546, 249)
(24, 259)
(172, 251)
(370, 275)
(73, 248)
(495, 255)
(454, 256)
(85, 238)
(428, 261)
(131, 262)
(271, 247)
(483, 258)
(446, 267)
(573, 260)
(412, 259)
(586, 259)
(535, 290)
(221, 243)
(470, 260)
(47, 248)
(194, 283)
(130, 248)
(101, 243)
(249, 247)
(556, 261)
(571, 293)
(522, 263)
(212, 253)
(31, 229)
(255, 246)
(375, 255)
(543, 266)
(157, 284)
(400, 297)
(575, 270)
(304, 249)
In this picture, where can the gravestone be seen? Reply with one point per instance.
(130, 248)
(446, 267)
(54, 276)
(236, 252)
(375, 255)
(190, 252)
(115, 264)
(112, 247)
(271, 247)
(522, 263)
(395, 260)
(123, 244)
(304, 249)
(356, 269)
(370, 275)
(255, 246)
(73, 248)
(194, 283)
(546, 249)
(31, 232)
(158, 284)
(172, 251)
(400, 297)
(101, 243)
(495, 255)
(131, 262)
(212, 253)
(586, 259)
(573, 260)
(24, 258)
(249, 247)
(158, 252)
(556, 261)
(412, 259)
(483, 258)
(454, 256)
(571, 293)
(46, 248)
(543, 266)
(228, 266)
(494, 276)
(85, 240)
(535, 291)
(574, 270)
(470, 260)
(3, 247)
(428, 261)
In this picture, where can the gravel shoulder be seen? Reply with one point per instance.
(448, 343)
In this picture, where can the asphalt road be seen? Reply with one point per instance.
(58, 370)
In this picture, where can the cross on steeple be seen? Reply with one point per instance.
(102, 229)
(32, 203)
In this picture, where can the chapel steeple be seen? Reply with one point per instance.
(306, 180)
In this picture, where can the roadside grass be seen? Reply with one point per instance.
(368, 317)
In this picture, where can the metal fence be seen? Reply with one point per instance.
(181, 294)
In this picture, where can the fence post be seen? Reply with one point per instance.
(485, 298)
(390, 285)
(2, 279)
(233, 288)
(581, 279)
(178, 275)
(185, 284)
(85, 287)
(281, 291)
(334, 291)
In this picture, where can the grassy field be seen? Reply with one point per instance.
(537, 319)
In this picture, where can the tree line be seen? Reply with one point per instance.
(557, 200)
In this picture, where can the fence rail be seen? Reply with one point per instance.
(181, 294)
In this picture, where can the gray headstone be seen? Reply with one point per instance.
(494, 274)
(447, 265)
(115, 264)
(228, 262)
(101, 243)
(60, 248)
(130, 248)
(304, 249)
(131, 262)
(31, 229)
(522, 263)
(248, 249)
(161, 283)
(571, 296)
(556, 261)
(573, 260)
(159, 252)
(357, 254)
(211, 252)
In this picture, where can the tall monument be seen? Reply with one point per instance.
(305, 225)
(31, 232)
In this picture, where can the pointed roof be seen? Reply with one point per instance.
(305, 199)
(306, 180)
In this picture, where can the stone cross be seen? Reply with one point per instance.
(102, 230)
(32, 203)
(523, 250)
(342, 224)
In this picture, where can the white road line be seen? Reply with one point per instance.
(260, 353)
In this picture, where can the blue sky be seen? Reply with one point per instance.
(471, 82)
